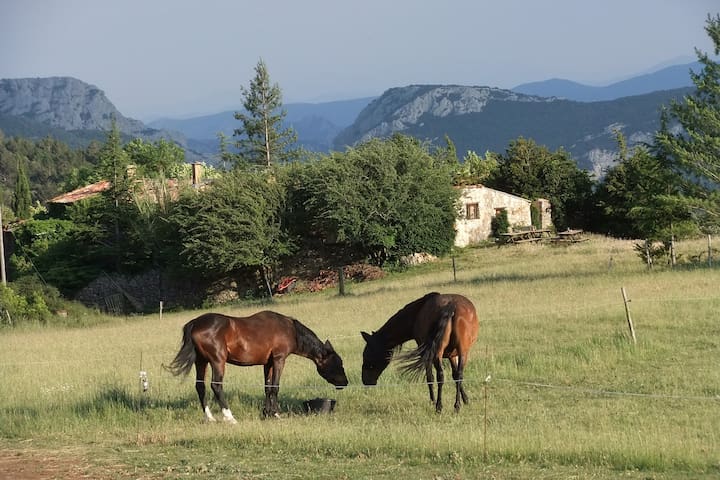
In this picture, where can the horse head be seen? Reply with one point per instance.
(376, 358)
(330, 366)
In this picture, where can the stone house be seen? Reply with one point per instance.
(479, 204)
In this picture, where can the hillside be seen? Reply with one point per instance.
(485, 118)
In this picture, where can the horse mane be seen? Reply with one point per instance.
(307, 342)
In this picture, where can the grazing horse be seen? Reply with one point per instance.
(265, 338)
(442, 325)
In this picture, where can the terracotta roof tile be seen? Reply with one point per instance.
(82, 193)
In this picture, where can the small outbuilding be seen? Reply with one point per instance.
(480, 204)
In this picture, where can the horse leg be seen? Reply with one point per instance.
(268, 370)
(273, 369)
(457, 372)
(218, 371)
(440, 380)
(430, 380)
(279, 364)
(200, 368)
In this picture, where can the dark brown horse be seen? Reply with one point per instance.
(265, 338)
(443, 326)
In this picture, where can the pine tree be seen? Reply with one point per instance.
(21, 197)
(262, 138)
(115, 210)
(695, 151)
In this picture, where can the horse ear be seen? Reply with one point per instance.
(365, 336)
(328, 345)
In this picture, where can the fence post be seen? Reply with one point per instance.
(709, 250)
(341, 280)
(627, 314)
(454, 271)
(673, 258)
(485, 422)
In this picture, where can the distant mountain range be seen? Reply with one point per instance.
(316, 124)
(555, 113)
(668, 78)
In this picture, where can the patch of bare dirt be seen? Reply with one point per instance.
(32, 464)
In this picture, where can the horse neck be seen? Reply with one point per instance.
(308, 344)
(398, 329)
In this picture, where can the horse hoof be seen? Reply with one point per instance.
(230, 421)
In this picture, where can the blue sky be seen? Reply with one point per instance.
(180, 57)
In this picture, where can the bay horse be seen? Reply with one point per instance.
(265, 338)
(442, 325)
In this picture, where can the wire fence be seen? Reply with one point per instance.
(152, 369)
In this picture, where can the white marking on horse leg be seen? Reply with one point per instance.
(228, 416)
(208, 414)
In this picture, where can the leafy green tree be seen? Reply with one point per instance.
(159, 159)
(474, 169)
(695, 151)
(53, 249)
(637, 197)
(47, 164)
(262, 140)
(383, 198)
(532, 171)
(232, 228)
(448, 153)
(21, 197)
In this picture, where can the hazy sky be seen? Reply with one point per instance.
(180, 57)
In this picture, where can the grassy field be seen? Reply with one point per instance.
(568, 396)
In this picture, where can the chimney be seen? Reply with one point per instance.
(196, 174)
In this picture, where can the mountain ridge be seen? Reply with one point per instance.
(77, 112)
(497, 116)
(667, 78)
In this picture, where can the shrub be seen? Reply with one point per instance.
(16, 308)
(499, 223)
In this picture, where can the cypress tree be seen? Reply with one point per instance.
(21, 197)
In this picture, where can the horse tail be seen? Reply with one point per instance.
(185, 358)
(419, 360)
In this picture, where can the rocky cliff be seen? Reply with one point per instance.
(63, 102)
(488, 119)
(399, 109)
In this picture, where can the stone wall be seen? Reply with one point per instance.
(121, 294)
(475, 230)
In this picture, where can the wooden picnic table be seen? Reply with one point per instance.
(570, 236)
(524, 236)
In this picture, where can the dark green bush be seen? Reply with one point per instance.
(499, 223)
